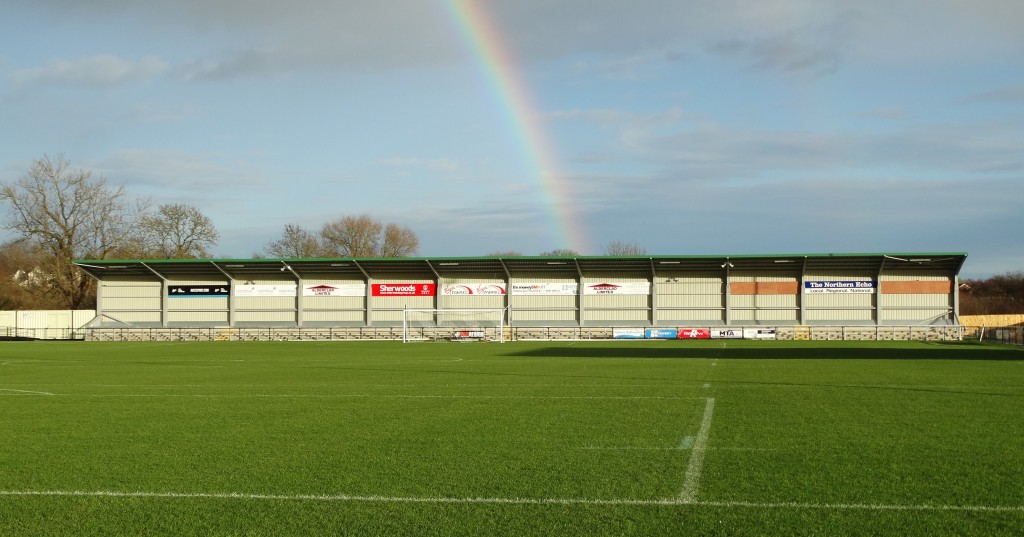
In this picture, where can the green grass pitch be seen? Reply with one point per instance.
(521, 438)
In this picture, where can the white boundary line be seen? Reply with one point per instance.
(23, 392)
(355, 396)
(509, 501)
(696, 466)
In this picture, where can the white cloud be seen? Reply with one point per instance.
(1007, 94)
(102, 70)
(796, 36)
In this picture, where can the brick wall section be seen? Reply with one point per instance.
(917, 288)
(764, 288)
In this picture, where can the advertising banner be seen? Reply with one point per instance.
(337, 289)
(193, 291)
(475, 289)
(694, 333)
(284, 289)
(661, 333)
(847, 286)
(726, 333)
(548, 289)
(758, 333)
(404, 289)
(628, 333)
(623, 288)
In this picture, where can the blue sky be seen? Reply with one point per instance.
(731, 127)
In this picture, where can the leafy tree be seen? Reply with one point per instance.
(68, 214)
(177, 231)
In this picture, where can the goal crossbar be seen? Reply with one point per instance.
(482, 324)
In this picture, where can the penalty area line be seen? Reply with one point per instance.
(699, 445)
(340, 498)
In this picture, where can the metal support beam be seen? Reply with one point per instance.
(579, 291)
(727, 265)
(367, 307)
(163, 294)
(231, 293)
(298, 292)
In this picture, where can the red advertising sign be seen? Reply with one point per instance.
(694, 333)
(404, 289)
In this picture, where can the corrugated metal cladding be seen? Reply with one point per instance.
(666, 291)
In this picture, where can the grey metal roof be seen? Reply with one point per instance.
(944, 263)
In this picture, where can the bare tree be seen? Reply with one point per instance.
(295, 243)
(177, 231)
(560, 252)
(620, 248)
(399, 241)
(507, 253)
(68, 215)
(19, 267)
(366, 236)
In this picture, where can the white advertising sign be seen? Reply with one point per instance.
(758, 333)
(277, 289)
(726, 333)
(335, 289)
(620, 288)
(544, 288)
(628, 333)
(474, 289)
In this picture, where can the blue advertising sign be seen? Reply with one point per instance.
(839, 286)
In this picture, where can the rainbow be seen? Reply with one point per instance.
(483, 38)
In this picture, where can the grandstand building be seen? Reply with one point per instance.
(789, 296)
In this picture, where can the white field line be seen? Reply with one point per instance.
(696, 466)
(340, 498)
(358, 396)
(23, 392)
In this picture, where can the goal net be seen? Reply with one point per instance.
(453, 324)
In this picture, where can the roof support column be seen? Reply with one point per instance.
(579, 292)
(800, 292)
(654, 295)
(163, 295)
(878, 292)
(231, 294)
(368, 300)
(727, 295)
(508, 291)
(298, 293)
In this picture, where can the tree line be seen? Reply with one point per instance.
(59, 214)
(1002, 294)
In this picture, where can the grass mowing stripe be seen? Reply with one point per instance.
(693, 470)
(513, 501)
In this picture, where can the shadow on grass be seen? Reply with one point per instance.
(796, 350)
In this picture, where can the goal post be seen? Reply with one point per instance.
(459, 324)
